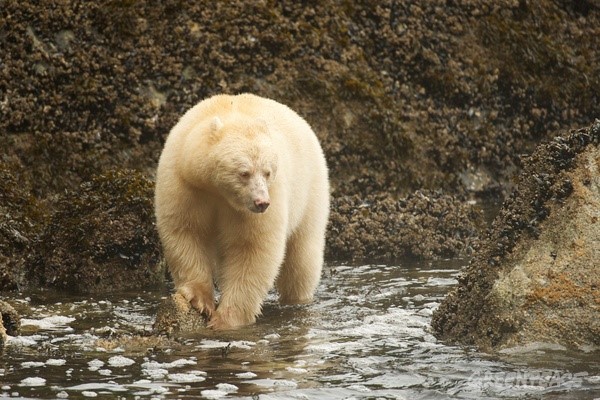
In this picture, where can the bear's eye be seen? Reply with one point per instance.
(267, 174)
(245, 174)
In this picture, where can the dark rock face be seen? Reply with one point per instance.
(21, 218)
(379, 228)
(435, 96)
(536, 277)
(403, 96)
(101, 238)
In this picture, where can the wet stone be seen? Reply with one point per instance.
(176, 315)
(536, 277)
(10, 322)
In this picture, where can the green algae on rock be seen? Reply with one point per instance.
(101, 238)
(536, 277)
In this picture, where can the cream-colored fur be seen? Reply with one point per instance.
(242, 199)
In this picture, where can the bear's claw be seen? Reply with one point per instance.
(196, 294)
(228, 319)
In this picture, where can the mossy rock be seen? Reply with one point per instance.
(101, 238)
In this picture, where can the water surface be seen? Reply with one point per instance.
(366, 336)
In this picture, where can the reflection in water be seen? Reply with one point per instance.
(366, 336)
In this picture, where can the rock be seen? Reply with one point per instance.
(101, 238)
(380, 228)
(403, 97)
(537, 276)
(10, 322)
(176, 315)
(21, 217)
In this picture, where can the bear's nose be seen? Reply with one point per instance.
(261, 205)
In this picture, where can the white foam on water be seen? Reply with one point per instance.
(25, 341)
(359, 388)
(223, 389)
(216, 344)
(98, 386)
(273, 336)
(213, 394)
(120, 361)
(534, 347)
(188, 377)
(33, 381)
(32, 364)
(155, 373)
(297, 370)
(227, 387)
(54, 322)
(246, 375)
(149, 388)
(173, 364)
(95, 364)
(437, 281)
(56, 361)
(274, 383)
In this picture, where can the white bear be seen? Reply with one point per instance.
(242, 200)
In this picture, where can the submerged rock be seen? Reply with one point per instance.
(537, 276)
(101, 238)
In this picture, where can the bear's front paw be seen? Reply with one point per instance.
(200, 297)
(227, 319)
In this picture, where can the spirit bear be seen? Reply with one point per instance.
(242, 200)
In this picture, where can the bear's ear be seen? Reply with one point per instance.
(216, 124)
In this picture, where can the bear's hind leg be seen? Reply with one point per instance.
(301, 270)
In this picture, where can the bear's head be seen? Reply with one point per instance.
(244, 162)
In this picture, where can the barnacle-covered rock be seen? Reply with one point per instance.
(379, 228)
(101, 238)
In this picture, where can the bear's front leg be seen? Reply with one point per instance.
(190, 264)
(246, 276)
(200, 295)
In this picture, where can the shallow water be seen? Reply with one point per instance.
(366, 336)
